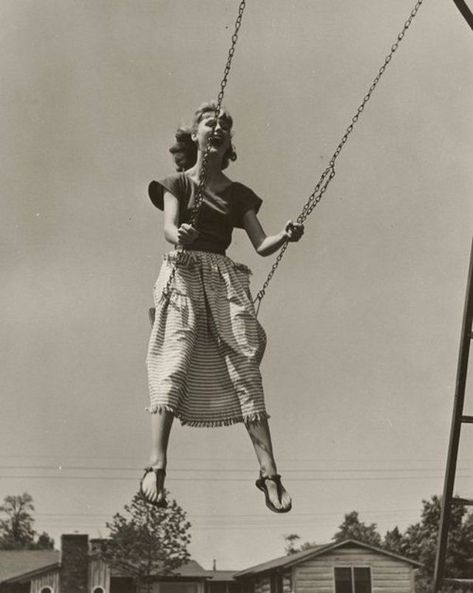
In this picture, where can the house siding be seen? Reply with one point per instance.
(99, 575)
(185, 586)
(263, 585)
(287, 583)
(50, 579)
(388, 575)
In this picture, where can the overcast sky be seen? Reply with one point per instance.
(363, 317)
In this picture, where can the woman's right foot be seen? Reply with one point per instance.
(152, 486)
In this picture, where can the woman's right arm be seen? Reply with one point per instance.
(176, 234)
(171, 218)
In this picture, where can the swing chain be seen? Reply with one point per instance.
(262, 292)
(377, 78)
(203, 171)
(199, 199)
(311, 203)
(231, 51)
(318, 192)
(329, 172)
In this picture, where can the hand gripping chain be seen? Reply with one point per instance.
(203, 170)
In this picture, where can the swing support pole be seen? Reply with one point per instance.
(465, 11)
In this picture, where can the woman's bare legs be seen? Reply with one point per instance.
(161, 423)
(261, 438)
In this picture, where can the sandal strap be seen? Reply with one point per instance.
(157, 471)
(274, 478)
(150, 468)
(261, 485)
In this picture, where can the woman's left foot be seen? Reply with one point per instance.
(276, 497)
(152, 487)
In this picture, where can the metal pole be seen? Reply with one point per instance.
(465, 11)
(462, 369)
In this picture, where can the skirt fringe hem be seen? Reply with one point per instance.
(255, 418)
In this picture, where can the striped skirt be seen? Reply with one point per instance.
(206, 344)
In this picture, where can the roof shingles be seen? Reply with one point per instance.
(291, 559)
(15, 563)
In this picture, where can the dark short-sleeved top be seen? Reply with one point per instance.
(219, 213)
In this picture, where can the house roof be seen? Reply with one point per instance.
(23, 564)
(20, 563)
(299, 557)
(191, 570)
(194, 570)
(221, 575)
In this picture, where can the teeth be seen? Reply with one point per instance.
(216, 140)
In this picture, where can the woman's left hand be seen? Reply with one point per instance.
(293, 231)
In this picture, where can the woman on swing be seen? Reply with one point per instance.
(206, 344)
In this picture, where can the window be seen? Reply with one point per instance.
(352, 579)
(98, 590)
(46, 590)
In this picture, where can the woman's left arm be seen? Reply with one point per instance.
(268, 244)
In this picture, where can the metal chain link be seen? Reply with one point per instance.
(199, 198)
(203, 171)
(329, 172)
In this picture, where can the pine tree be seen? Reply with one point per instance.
(147, 541)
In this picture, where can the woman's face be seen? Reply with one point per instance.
(221, 140)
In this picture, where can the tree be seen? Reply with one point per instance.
(148, 541)
(290, 544)
(420, 543)
(307, 546)
(290, 541)
(394, 541)
(353, 528)
(44, 542)
(16, 530)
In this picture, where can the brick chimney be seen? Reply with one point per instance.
(74, 563)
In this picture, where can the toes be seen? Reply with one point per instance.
(154, 492)
(149, 486)
(145, 485)
(279, 502)
(286, 501)
(273, 496)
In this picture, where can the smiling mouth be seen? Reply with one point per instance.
(216, 141)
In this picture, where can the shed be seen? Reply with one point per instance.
(349, 566)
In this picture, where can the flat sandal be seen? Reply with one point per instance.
(160, 503)
(261, 485)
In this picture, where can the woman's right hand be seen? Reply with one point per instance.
(187, 234)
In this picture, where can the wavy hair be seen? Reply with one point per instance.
(184, 149)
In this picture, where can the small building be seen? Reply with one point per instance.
(76, 569)
(30, 567)
(344, 567)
